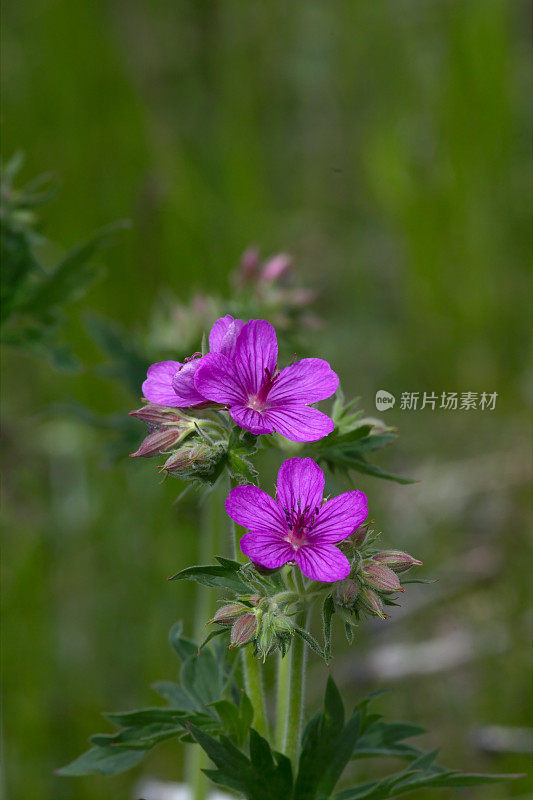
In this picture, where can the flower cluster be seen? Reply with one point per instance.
(241, 373)
(235, 385)
(261, 621)
(373, 579)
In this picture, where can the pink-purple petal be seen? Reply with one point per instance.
(229, 342)
(300, 423)
(216, 380)
(157, 388)
(266, 550)
(300, 484)
(218, 331)
(224, 334)
(339, 517)
(322, 562)
(256, 354)
(306, 381)
(250, 420)
(254, 509)
(184, 387)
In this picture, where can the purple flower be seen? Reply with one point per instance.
(261, 398)
(298, 526)
(171, 383)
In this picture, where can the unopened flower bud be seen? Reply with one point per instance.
(244, 629)
(396, 560)
(346, 591)
(359, 535)
(226, 615)
(159, 441)
(371, 602)
(159, 415)
(275, 632)
(199, 460)
(275, 268)
(381, 578)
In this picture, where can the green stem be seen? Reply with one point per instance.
(291, 687)
(212, 525)
(253, 684)
(253, 676)
(283, 679)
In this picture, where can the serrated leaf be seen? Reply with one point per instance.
(137, 738)
(310, 641)
(242, 470)
(266, 776)
(145, 716)
(102, 760)
(327, 746)
(224, 574)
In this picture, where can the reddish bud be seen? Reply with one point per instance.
(346, 591)
(359, 535)
(244, 629)
(159, 415)
(371, 602)
(158, 442)
(381, 578)
(226, 615)
(396, 560)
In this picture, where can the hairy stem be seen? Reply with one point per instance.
(291, 695)
(282, 702)
(212, 525)
(253, 675)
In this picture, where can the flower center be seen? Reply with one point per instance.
(258, 401)
(300, 522)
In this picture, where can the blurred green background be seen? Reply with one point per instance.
(386, 147)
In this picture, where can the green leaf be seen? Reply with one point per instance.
(310, 641)
(236, 720)
(327, 746)
(202, 678)
(127, 363)
(185, 648)
(242, 470)
(175, 694)
(145, 716)
(345, 448)
(383, 739)
(225, 574)
(266, 775)
(138, 737)
(103, 760)
(230, 719)
(71, 277)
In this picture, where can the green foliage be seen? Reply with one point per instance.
(199, 699)
(329, 742)
(227, 574)
(264, 775)
(347, 446)
(33, 296)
